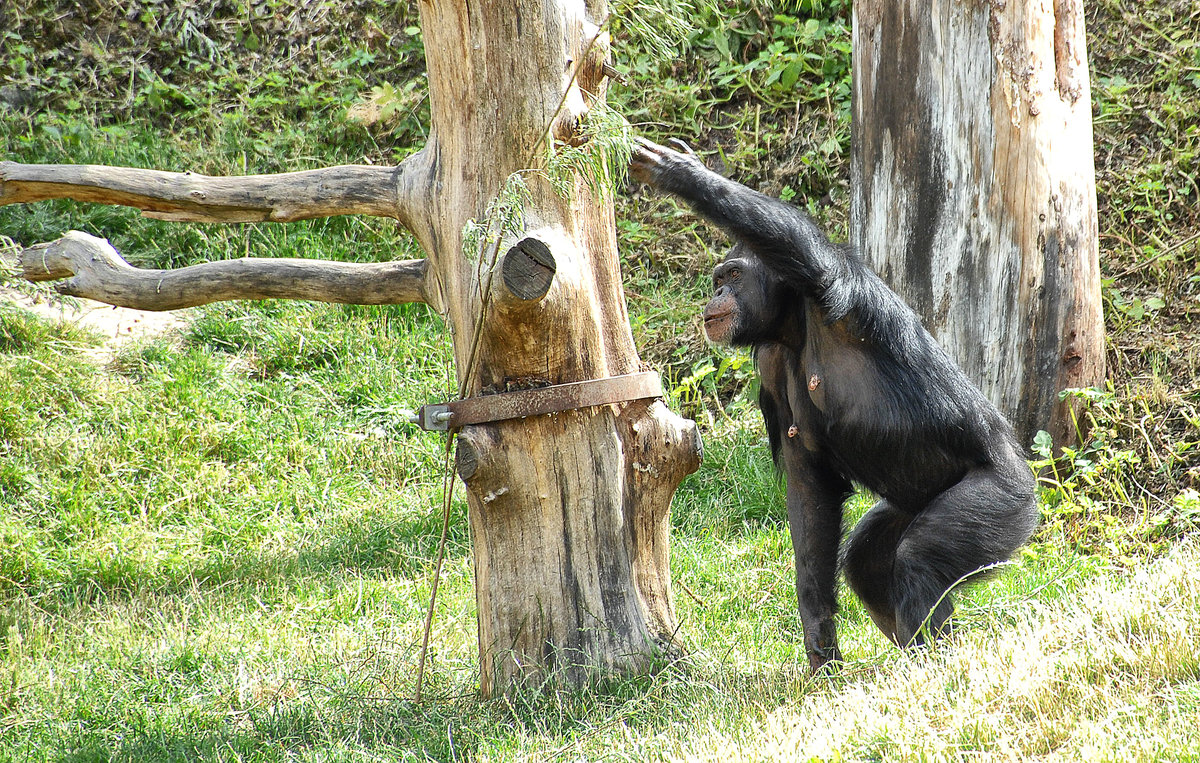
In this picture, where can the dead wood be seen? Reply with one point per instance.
(191, 197)
(94, 269)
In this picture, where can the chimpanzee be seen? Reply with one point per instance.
(853, 389)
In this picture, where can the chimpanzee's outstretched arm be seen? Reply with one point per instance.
(783, 236)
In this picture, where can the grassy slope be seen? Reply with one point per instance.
(219, 545)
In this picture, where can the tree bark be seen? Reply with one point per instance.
(191, 197)
(974, 190)
(96, 270)
(570, 512)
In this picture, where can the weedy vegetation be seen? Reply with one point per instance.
(218, 543)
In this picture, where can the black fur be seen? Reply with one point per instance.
(853, 389)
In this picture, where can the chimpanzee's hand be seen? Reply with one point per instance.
(657, 165)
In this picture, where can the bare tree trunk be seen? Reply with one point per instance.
(569, 512)
(974, 190)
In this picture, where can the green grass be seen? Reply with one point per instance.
(219, 544)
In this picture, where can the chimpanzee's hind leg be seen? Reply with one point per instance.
(868, 560)
(903, 566)
(973, 525)
(815, 524)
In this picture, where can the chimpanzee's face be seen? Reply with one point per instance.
(745, 304)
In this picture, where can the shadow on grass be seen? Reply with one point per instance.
(327, 733)
(405, 548)
(549, 724)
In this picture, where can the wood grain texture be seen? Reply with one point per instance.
(570, 512)
(191, 197)
(973, 190)
(95, 270)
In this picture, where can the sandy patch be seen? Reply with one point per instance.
(118, 325)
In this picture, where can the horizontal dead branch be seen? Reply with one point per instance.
(190, 197)
(96, 270)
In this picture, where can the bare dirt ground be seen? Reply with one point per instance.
(116, 326)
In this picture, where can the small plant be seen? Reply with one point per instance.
(505, 216)
(1181, 516)
(599, 155)
(708, 381)
(1127, 311)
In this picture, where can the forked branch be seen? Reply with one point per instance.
(96, 270)
(190, 197)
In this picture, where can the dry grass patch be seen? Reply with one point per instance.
(1109, 675)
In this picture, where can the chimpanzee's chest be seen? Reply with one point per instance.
(852, 412)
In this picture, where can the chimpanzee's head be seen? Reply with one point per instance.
(747, 302)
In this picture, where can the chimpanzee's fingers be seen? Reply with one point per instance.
(645, 147)
(647, 156)
(681, 147)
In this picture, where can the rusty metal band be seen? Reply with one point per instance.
(536, 402)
